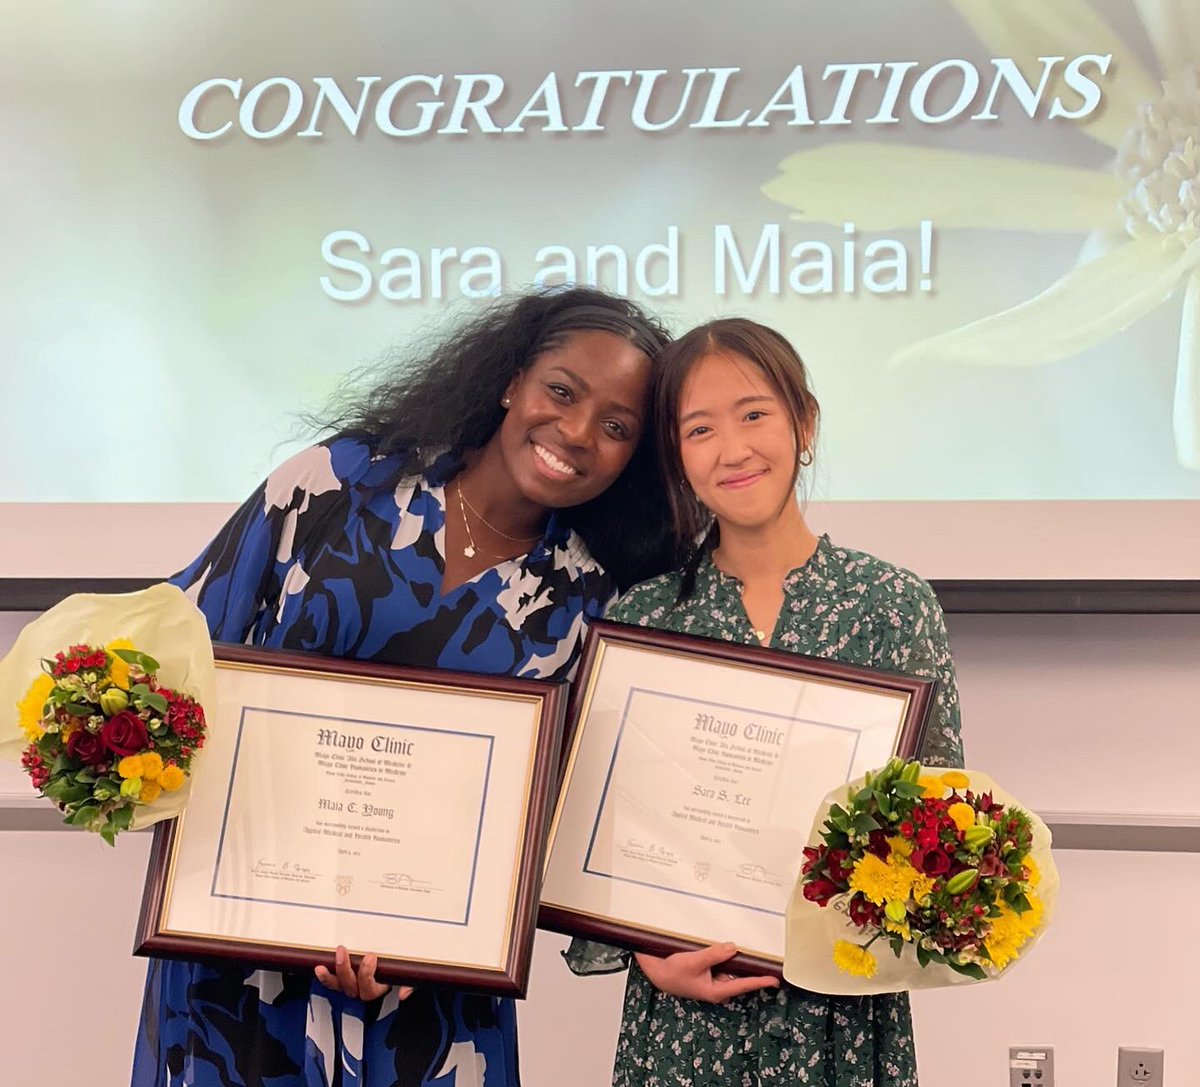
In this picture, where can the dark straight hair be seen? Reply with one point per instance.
(737, 338)
(446, 395)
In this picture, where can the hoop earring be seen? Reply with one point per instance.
(805, 459)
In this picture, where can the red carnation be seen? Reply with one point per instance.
(125, 734)
(86, 747)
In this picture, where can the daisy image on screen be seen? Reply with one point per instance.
(1140, 212)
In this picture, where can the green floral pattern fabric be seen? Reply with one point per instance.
(848, 606)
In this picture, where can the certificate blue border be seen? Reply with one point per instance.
(587, 860)
(487, 777)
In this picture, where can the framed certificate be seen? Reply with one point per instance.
(391, 810)
(690, 781)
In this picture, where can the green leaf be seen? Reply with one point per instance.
(122, 817)
(909, 789)
(923, 956)
(1021, 904)
(55, 787)
(63, 762)
(84, 814)
(73, 794)
(969, 969)
(155, 701)
(75, 710)
(108, 833)
(865, 822)
(885, 805)
(85, 775)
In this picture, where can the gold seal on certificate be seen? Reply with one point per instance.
(691, 779)
(391, 810)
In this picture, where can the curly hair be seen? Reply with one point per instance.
(448, 396)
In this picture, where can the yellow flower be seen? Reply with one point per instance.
(1033, 874)
(29, 709)
(150, 791)
(152, 765)
(901, 847)
(934, 787)
(1139, 208)
(1011, 930)
(963, 815)
(922, 888)
(130, 766)
(171, 778)
(883, 881)
(118, 672)
(852, 959)
(956, 779)
(900, 929)
(67, 731)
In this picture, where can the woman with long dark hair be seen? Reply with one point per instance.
(737, 424)
(472, 510)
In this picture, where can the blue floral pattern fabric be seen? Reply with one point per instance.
(339, 552)
(848, 606)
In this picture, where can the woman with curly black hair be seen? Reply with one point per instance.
(472, 510)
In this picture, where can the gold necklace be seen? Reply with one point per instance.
(470, 551)
(483, 520)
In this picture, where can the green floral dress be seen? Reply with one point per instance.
(851, 607)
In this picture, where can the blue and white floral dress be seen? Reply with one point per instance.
(339, 552)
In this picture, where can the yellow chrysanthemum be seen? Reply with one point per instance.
(901, 847)
(1033, 874)
(883, 881)
(150, 791)
(152, 765)
(963, 815)
(118, 672)
(1011, 930)
(934, 788)
(170, 778)
(130, 767)
(853, 959)
(29, 709)
(900, 929)
(922, 888)
(956, 779)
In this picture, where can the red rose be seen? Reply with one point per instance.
(820, 891)
(125, 734)
(933, 862)
(86, 747)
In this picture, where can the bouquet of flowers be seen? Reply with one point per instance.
(105, 736)
(942, 869)
(103, 729)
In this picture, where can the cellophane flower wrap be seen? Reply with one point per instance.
(103, 700)
(918, 878)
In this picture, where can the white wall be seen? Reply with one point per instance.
(1072, 714)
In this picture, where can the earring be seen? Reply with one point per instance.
(505, 402)
(805, 458)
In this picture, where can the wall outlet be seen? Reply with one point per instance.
(1139, 1067)
(1033, 1066)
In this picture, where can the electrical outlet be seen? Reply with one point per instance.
(1139, 1067)
(1033, 1066)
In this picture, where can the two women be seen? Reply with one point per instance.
(475, 515)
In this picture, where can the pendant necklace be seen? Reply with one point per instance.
(470, 551)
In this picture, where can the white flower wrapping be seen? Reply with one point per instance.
(160, 621)
(813, 930)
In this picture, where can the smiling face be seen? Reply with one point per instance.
(737, 441)
(574, 418)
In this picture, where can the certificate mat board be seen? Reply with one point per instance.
(691, 778)
(392, 810)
